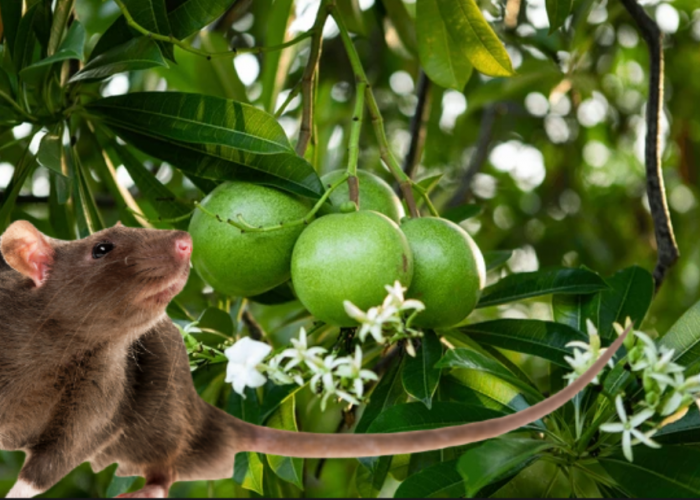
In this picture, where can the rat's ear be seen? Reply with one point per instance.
(27, 251)
(119, 224)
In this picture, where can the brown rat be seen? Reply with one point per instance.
(91, 369)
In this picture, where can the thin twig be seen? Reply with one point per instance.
(256, 331)
(307, 81)
(478, 159)
(667, 248)
(418, 126)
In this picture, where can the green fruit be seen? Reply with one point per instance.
(349, 257)
(449, 271)
(375, 194)
(246, 263)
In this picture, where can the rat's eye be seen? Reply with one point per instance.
(101, 249)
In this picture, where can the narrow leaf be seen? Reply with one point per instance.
(441, 480)
(119, 485)
(276, 64)
(404, 25)
(496, 258)
(189, 16)
(545, 339)
(195, 118)
(248, 471)
(443, 60)
(25, 40)
(151, 14)
(285, 171)
(11, 16)
(557, 11)
(684, 338)
(50, 152)
(139, 53)
(471, 32)
(462, 213)
(525, 285)
(420, 377)
(473, 360)
(388, 392)
(495, 459)
(288, 469)
(671, 472)
(685, 432)
(71, 48)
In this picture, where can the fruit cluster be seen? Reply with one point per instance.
(344, 254)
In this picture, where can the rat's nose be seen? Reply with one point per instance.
(183, 246)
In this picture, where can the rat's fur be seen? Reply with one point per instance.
(91, 369)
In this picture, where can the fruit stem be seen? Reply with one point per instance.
(377, 120)
(354, 145)
(244, 226)
(209, 55)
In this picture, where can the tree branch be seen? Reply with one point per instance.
(478, 159)
(307, 81)
(667, 248)
(418, 125)
(256, 331)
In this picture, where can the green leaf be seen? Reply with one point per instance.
(475, 361)
(189, 16)
(685, 432)
(545, 339)
(159, 196)
(139, 53)
(151, 14)
(22, 172)
(352, 15)
(426, 185)
(117, 34)
(274, 65)
(525, 285)
(542, 479)
(684, 338)
(119, 485)
(195, 118)
(275, 396)
(472, 34)
(496, 258)
(557, 11)
(248, 471)
(285, 171)
(50, 153)
(462, 213)
(629, 294)
(288, 469)
(416, 417)
(11, 16)
(483, 389)
(25, 40)
(215, 319)
(496, 459)
(246, 409)
(420, 377)
(388, 392)
(442, 58)
(671, 472)
(441, 480)
(279, 295)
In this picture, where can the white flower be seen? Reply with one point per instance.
(628, 428)
(372, 322)
(585, 358)
(353, 370)
(301, 352)
(396, 299)
(324, 372)
(243, 359)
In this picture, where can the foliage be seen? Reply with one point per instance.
(533, 135)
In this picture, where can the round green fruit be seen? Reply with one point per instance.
(449, 271)
(351, 257)
(246, 263)
(375, 194)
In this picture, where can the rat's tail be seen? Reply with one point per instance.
(314, 445)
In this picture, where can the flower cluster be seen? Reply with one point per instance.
(330, 375)
(667, 392)
(388, 318)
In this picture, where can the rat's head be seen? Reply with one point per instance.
(118, 280)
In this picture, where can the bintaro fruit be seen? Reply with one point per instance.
(246, 263)
(375, 194)
(350, 256)
(449, 271)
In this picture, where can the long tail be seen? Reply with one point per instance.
(315, 445)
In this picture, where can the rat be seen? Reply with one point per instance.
(93, 370)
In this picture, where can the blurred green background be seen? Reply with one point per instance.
(562, 182)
